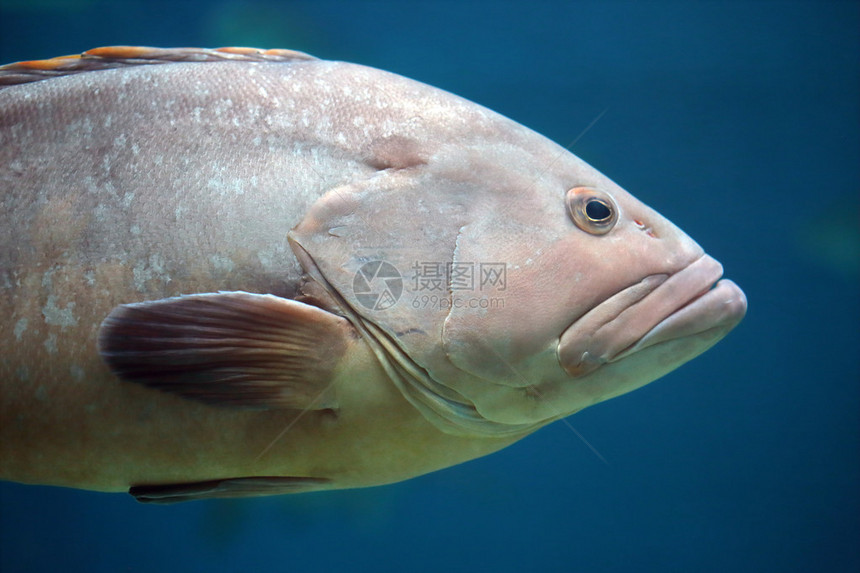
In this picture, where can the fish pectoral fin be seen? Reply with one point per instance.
(229, 349)
(225, 488)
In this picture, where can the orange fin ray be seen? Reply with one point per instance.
(121, 56)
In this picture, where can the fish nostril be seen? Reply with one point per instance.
(648, 231)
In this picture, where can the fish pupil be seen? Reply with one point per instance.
(597, 210)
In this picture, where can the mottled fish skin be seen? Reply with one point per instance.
(134, 174)
(144, 182)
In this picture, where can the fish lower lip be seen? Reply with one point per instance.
(720, 307)
(657, 309)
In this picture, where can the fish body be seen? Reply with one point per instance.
(244, 272)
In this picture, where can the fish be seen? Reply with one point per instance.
(238, 272)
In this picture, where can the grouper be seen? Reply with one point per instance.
(242, 272)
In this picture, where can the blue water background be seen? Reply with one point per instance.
(740, 121)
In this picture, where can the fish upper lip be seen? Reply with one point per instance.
(720, 307)
(657, 309)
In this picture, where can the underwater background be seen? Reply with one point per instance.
(740, 122)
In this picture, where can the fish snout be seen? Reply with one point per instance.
(691, 303)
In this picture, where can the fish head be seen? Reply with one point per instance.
(506, 283)
(602, 295)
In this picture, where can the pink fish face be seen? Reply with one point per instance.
(558, 288)
(607, 297)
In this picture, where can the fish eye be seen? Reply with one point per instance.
(592, 210)
(597, 211)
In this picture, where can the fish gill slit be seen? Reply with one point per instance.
(455, 255)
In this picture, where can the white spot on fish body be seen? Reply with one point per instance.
(144, 272)
(76, 372)
(222, 106)
(50, 343)
(268, 257)
(17, 166)
(20, 328)
(82, 127)
(110, 189)
(140, 275)
(222, 263)
(102, 213)
(57, 316)
(48, 278)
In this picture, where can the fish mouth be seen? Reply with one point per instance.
(694, 303)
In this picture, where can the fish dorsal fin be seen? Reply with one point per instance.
(123, 56)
